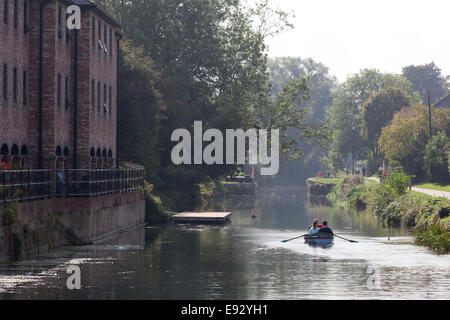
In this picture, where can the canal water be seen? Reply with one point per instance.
(243, 260)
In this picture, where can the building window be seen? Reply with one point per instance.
(66, 92)
(59, 90)
(105, 38)
(5, 12)
(25, 17)
(93, 95)
(105, 107)
(98, 96)
(5, 82)
(67, 29)
(93, 32)
(99, 30)
(16, 14)
(15, 86)
(60, 32)
(24, 88)
(110, 42)
(110, 100)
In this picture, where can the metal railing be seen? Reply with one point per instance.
(25, 185)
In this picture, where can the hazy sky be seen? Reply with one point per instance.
(348, 35)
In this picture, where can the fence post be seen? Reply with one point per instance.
(20, 184)
(29, 184)
(4, 186)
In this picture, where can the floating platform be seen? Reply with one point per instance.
(202, 217)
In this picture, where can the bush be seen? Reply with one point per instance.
(398, 181)
(154, 209)
(436, 236)
(436, 159)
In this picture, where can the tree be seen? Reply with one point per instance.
(436, 159)
(348, 100)
(405, 139)
(376, 113)
(140, 104)
(320, 84)
(208, 63)
(283, 112)
(427, 77)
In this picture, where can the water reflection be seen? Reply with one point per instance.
(243, 260)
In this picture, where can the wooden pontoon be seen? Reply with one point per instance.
(201, 217)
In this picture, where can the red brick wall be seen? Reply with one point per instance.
(19, 125)
(103, 69)
(14, 53)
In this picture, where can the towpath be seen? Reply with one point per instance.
(430, 192)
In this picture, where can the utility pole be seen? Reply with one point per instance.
(429, 113)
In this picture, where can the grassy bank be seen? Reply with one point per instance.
(328, 180)
(394, 205)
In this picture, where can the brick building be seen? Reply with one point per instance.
(58, 99)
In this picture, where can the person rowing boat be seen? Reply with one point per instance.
(315, 227)
(319, 234)
(325, 228)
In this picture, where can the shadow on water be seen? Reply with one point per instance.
(242, 260)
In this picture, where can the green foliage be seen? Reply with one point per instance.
(428, 216)
(283, 112)
(405, 139)
(320, 84)
(398, 182)
(345, 114)
(436, 236)
(378, 111)
(9, 211)
(140, 105)
(154, 209)
(436, 159)
(427, 77)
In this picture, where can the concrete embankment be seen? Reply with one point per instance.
(318, 189)
(29, 228)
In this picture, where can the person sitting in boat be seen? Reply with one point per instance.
(325, 228)
(314, 228)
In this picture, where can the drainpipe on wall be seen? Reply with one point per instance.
(41, 50)
(75, 104)
(117, 102)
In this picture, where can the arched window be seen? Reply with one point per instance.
(24, 151)
(4, 150)
(92, 153)
(66, 152)
(15, 150)
(104, 153)
(99, 153)
(110, 155)
(58, 151)
(23, 154)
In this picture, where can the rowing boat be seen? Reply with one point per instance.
(320, 239)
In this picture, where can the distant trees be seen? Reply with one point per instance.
(320, 85)
(376, 113)
(284, 112)
(427, 77)
(436, 159)
(405, 139)
(353, 101)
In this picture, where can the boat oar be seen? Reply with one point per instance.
(352, 241)
(294, 238)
